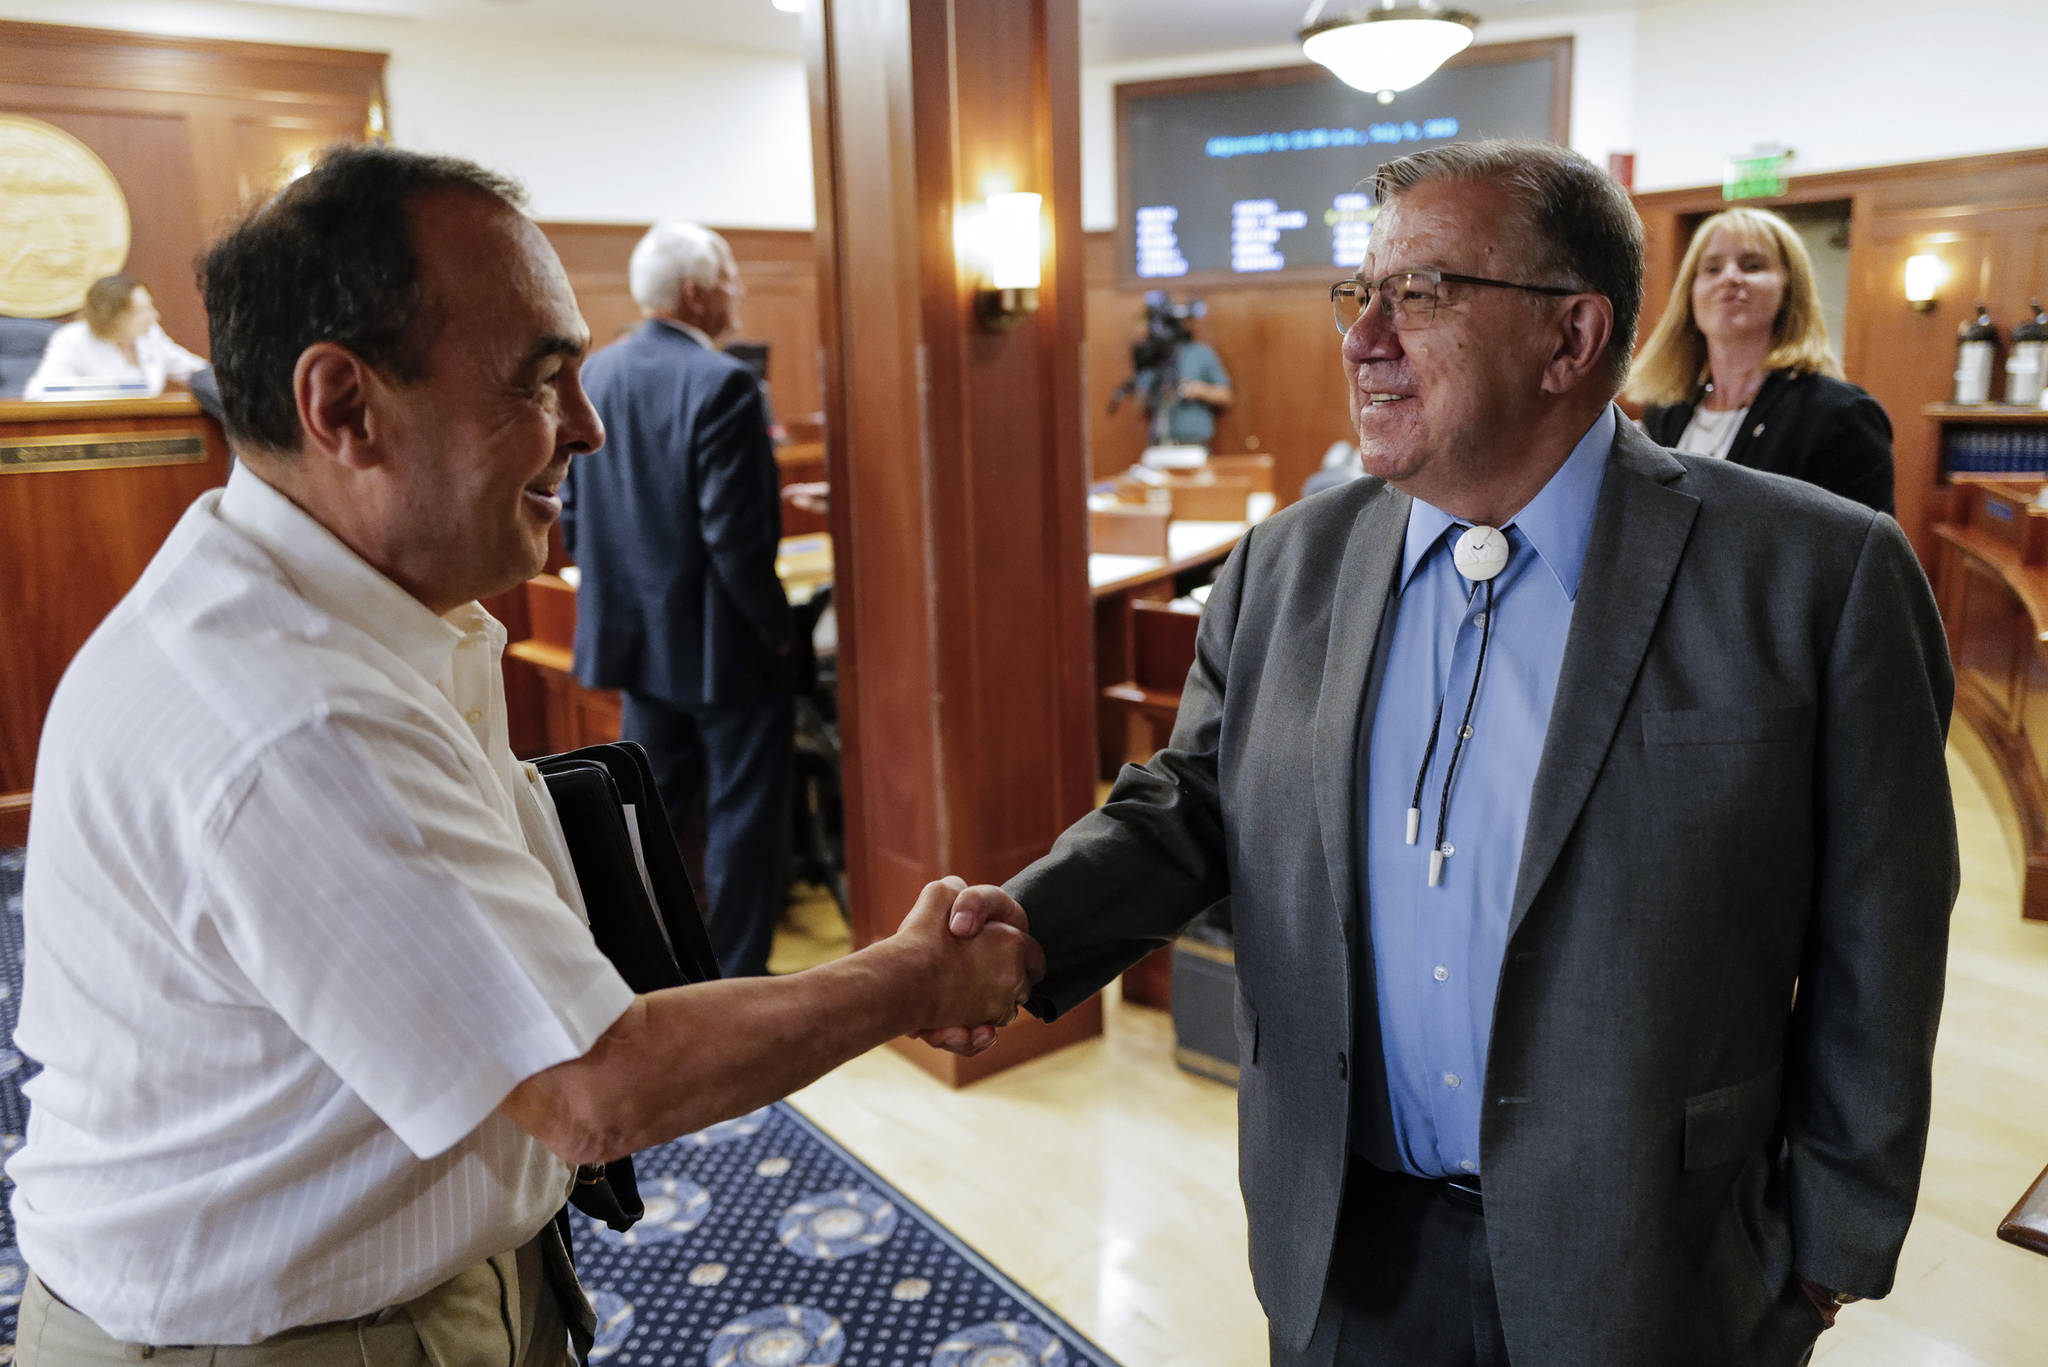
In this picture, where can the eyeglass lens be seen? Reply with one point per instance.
(1409, 300)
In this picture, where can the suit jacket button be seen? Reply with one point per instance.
(1343, 1065)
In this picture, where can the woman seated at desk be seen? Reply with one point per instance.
(116, 349)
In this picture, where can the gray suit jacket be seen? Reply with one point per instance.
(1742, 793)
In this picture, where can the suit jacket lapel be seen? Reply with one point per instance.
(1762, 409)
(1372, 553)
(1640, 527)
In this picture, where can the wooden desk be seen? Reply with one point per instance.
(551, 711)
(1991, 576)
(801, 463)
(88, 492)
(2026, 1224)
(1117, 580)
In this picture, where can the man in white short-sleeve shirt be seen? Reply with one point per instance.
(322, 1027)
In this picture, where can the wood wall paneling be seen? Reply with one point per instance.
(1993, 594)
(76, 541)
(1986, 216)
(778, 267)
(191, 128)
(1275, 338)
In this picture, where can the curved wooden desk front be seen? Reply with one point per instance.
(88, 491)
(1992, 585)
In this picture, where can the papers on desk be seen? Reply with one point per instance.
(1174, 457)
(1108, 569)
(1185, 542)
(804, 565)
(81, 390)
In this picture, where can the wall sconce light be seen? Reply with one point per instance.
(1924, 276)
(1010, 240)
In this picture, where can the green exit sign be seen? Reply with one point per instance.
(1761, 176)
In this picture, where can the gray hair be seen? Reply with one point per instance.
(1577, 217)
(674, 254)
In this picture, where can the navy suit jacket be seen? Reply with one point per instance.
(674, 523)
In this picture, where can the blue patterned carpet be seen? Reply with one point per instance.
(766, 1244)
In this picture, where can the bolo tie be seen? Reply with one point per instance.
(1480, 554)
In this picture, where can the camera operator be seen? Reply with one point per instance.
(1182, 381)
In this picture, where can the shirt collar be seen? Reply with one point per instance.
(341, 583)
(1557, 523)
(689, 330)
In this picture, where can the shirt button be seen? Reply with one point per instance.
(1441, 974)
(1450, 1079)
(1469, 1166)
(473, 716)
(1479, 619)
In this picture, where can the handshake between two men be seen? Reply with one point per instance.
(977, 914)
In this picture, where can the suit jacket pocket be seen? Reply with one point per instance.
(1727, 725)
(1730, 1123)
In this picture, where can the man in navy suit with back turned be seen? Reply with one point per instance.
(674, 524)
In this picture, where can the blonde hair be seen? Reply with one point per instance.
(1673, 362)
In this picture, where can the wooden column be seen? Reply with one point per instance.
(955, 453)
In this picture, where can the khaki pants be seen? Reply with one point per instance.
(499, 1311)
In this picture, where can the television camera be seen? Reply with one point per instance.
(1157, 353)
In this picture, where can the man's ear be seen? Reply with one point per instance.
(333, 388)
(690, 302)
(1583, 328)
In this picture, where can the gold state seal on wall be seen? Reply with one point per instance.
(63, 219)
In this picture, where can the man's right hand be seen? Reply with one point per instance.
(975, 909)
(980, 975)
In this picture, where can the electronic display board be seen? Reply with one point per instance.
(1232, 177)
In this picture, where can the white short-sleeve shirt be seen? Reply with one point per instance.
(296, 922)
(77, 358)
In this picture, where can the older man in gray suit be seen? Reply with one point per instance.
(1583, 813)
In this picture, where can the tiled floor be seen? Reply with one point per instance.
(1104, 1179)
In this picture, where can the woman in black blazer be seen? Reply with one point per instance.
(1739, 366)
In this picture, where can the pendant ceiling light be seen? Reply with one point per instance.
(1388, 47)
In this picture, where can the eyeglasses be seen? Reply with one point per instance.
(1409, 298)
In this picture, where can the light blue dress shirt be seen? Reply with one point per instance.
(1437, 950)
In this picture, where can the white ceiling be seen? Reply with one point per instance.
(1140, 30)
(1112, 30)
(753, 25)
